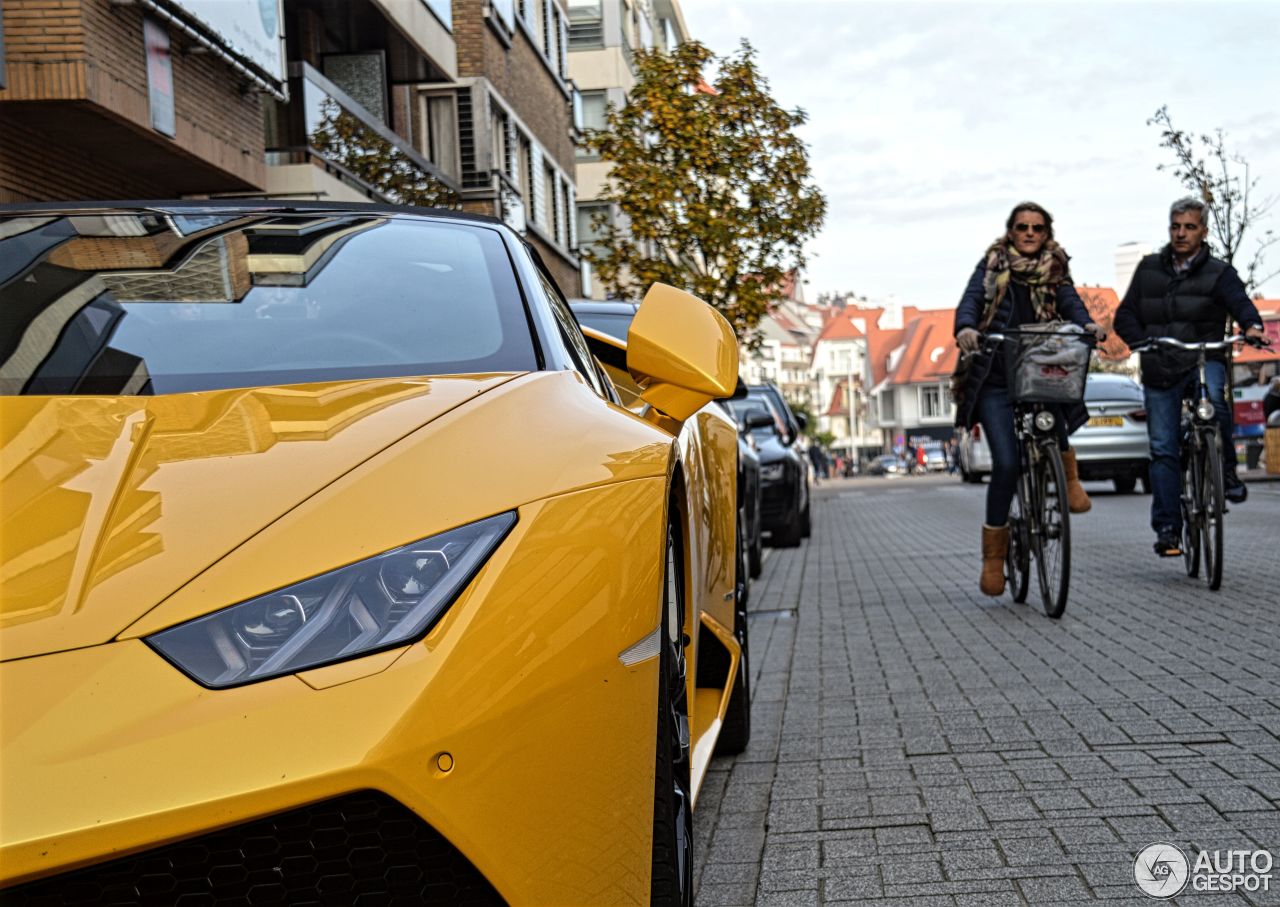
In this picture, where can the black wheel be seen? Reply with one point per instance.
(672, 875)
(1125, 485)
(755, 554)
(736, 730)
(1215, 505)
(1192, 508)
(806, 523)
(788, 535)
(1051, 528)
(1017, 562)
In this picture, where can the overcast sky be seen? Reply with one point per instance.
(929, 121)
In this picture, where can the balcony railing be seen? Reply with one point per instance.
(332, 129)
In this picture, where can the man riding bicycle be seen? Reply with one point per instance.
(1185, 293)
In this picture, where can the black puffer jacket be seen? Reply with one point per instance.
(969, 315)
(1192, 306)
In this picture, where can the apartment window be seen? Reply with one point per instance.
(526, 170)
(931, 406)
(594, 116)
(886, 406)
(548, 208)
(588, 232)
(438, 141)
(586, 24)
(645, 29)
(562, 45)
(570, 213)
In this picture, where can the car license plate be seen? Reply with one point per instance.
(1104, 421)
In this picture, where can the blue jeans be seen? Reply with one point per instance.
(1164, 428)
(995, 415)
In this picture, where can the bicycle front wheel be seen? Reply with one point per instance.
(1214, 505)
(1192, 507)
(1051, 528)
(1017, 566)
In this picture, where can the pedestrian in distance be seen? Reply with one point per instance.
(1183, 292)
(1023, 278)
(819, 461)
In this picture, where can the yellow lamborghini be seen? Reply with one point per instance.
(335, 568)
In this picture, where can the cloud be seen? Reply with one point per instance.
(929, 120)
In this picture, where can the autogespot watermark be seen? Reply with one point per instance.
(1163, 870)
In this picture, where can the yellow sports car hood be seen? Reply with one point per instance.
(110, 504)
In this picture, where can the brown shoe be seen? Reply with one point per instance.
(1077, 498)
(995, 545)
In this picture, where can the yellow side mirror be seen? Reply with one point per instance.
(681, 351)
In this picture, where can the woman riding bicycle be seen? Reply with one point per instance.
(1023, 279)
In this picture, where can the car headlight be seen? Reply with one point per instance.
(374, 604)
(771, 472)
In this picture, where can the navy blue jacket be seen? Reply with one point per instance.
(969, 315)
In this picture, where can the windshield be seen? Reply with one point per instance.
(1113, 390)
(132, 304)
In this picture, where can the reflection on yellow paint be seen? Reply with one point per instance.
(77, 508)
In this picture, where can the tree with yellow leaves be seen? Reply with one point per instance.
(713, 184)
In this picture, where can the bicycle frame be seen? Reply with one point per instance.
(1037, 525)
(1200, 452)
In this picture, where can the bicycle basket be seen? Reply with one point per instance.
(1047, 364)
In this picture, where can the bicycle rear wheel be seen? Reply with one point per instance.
(1017, 563)
(1051, 528)
(1192, 508)
(1214, 506)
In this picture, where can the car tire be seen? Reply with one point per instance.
(671, 877)
(755, 554)
(806, 524)
(1125, 485)
(788, 534)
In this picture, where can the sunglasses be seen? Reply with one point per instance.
(1034, 228)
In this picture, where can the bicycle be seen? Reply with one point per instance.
(1039, 518)
(1200, 455)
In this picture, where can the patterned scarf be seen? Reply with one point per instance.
(1041, 274)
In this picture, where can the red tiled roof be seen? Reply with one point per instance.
(929, 351)
(841, 327)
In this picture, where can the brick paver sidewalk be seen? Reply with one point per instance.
(918, 743)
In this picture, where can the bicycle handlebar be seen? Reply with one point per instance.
(1010, 333)
(1207, 345)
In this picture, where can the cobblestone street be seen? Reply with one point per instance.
(918, 743)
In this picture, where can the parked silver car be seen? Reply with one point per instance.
(1113, 444)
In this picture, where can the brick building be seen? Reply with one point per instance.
(116, 100)
(516, 123)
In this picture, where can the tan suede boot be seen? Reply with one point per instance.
(995, 545)
(1077, 498)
